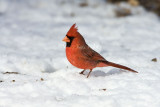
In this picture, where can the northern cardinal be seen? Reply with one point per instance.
(82, 56)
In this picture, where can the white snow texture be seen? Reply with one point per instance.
(31, 48)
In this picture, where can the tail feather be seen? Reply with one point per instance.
(120, 66)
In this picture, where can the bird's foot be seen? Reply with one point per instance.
(82, 72)
(89, 73)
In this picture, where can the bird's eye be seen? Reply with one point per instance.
(71, 38)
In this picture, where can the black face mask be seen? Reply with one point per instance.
(68, 44)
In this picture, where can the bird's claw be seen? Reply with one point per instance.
(81, 73)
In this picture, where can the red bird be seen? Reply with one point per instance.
(82, 56)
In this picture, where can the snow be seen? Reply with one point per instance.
(31, 34)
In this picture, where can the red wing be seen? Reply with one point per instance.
(89, 54)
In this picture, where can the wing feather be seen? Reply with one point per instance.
(90, 54)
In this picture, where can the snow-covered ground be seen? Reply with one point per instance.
(31, 48)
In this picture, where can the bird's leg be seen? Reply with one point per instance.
(82, 72)
(89, 73)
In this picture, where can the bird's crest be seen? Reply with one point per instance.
(73, 31)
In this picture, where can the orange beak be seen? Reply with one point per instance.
(66, 39)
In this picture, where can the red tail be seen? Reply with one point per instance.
(119, 66)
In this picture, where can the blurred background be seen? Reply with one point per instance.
(149, 5)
